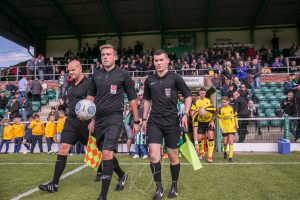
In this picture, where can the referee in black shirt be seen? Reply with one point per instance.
(74, 129)
(107, 88)
(163, 123)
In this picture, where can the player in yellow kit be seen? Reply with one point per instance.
(8, 135)
(203, 116)
(38, 129)
(60, 125)
(229, 126)
(50, 132)
(19, 133)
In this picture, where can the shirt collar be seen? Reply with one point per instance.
(83, 79)
(164, 76)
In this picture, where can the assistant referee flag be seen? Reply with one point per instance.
(93, 156)
(189, 152)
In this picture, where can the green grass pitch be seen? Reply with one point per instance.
(251, 176)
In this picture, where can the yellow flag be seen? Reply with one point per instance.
(189, 152)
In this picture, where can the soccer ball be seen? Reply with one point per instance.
(85, 109)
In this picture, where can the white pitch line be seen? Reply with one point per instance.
(39, 163)
(146, 163)
(25, 194)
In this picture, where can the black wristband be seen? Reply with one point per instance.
(137, 122)
(144, 119)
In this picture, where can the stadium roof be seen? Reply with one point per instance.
(23, 21)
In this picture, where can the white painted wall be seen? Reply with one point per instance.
(287, 36)
(242, 37)
(200, 40)
(58, 48)
(148, 41)
(109, 40)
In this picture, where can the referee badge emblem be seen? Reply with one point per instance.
(113, 89)
(168, 92)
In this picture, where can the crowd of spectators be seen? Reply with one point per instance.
(234, 71)
(195, 62)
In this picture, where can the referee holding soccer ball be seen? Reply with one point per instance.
(107, 89)
(74, 128)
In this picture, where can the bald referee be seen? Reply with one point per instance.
(107, 89)
(161, 90)
(74, 129)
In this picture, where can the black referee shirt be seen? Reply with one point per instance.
(77, 93)
(109, 89)
(162, 91)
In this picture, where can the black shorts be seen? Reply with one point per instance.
(203, 127)
(107, 132)
(226, 134)
(156, 133)
(75, 130)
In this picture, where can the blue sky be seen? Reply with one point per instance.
(12, 53)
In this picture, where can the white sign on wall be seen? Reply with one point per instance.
(194, 81)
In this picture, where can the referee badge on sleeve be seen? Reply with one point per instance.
(113, 89)
(168, 92)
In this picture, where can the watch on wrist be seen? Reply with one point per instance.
(185, 114)
(137, 122)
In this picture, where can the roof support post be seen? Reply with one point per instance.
(160, 21)
(258, 15)
(208, 18)
(110, 16)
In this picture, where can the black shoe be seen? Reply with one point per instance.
(159, 193)
(174, 191)
(225, 155)
(50, 187)
(230, 160)
(121, 183)
(98, 177)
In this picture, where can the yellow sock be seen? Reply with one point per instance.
(225, 148)
(201, 146)
(211, 147)
(230, 150)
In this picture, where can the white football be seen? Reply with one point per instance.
(85, 109)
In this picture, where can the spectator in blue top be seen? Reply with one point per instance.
(256, 73)
(288, 85)
(30, 66)
(242, 72)
(23, 86)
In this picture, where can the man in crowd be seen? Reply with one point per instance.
(23, 83)
(291, 107)
(240, 106)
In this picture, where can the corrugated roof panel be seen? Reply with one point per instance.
(188, 13)
(135, 14)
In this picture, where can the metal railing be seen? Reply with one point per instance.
(263, 130)
(6, 74)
